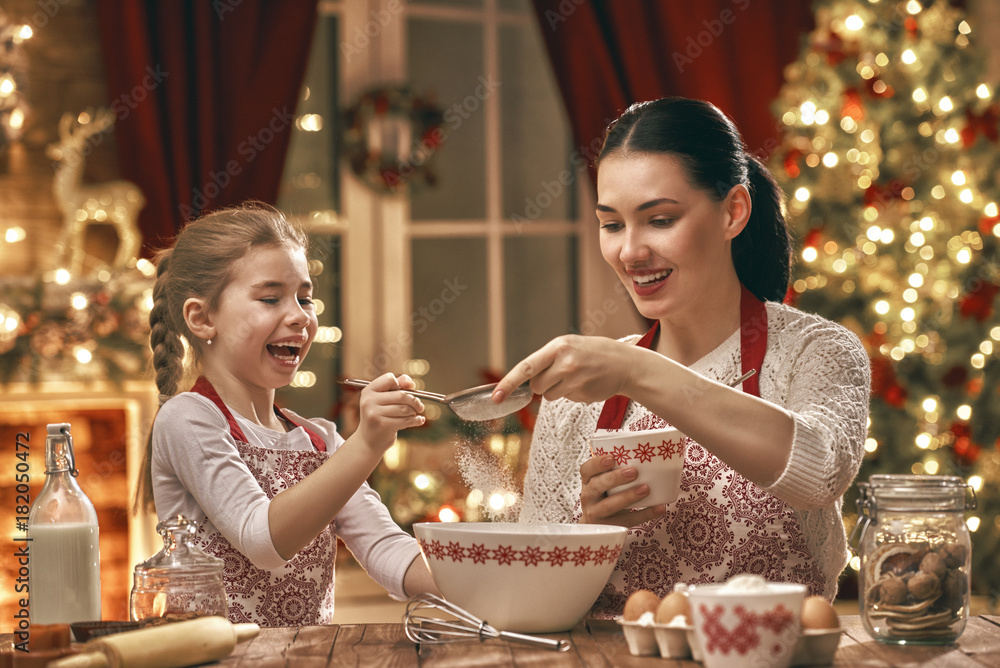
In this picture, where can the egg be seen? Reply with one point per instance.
(818, 613)
(673, 604)
(640, 602)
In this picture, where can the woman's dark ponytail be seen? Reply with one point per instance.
(762, 253)
(711, 149)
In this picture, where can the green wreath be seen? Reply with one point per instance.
(410, 122)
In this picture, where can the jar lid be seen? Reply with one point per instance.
(179, 556)
(911, 492)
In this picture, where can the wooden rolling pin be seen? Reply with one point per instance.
(172, 645)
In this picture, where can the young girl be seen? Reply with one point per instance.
(270, 491)
(694, 228)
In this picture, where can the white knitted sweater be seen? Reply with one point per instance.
(721, 524)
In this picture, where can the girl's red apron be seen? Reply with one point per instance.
(703, 541)
(299, 593)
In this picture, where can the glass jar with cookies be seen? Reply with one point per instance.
(915, 554)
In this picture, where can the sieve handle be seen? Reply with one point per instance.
(433, 396)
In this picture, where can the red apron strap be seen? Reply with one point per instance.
(753, 339)
(613, 413)
(753, 345)
(203, 387)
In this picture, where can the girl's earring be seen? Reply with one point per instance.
(209, 342)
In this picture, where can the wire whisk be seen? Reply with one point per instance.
(422, 629)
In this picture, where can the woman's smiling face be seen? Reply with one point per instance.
(666, 239)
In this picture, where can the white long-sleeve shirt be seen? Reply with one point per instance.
(722, 524)
(197, 472)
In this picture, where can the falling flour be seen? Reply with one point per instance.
(484, 471)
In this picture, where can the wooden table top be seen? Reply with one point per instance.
(594, 643)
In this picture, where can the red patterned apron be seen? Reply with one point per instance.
(698, 541)
(299, 593)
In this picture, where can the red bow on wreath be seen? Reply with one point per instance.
(985, 122)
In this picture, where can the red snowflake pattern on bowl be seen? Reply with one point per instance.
(506, 555)
(643, 452)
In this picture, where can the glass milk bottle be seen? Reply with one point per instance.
(64, 580)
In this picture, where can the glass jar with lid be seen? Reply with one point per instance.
(915, 555)
(180, 581)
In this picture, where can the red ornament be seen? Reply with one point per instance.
(792, 163)
(852, 105)
(988, 224)
(813, 238)
(877, 194)
(884, 383)
(978, 303)
(986, 123)
(911, 26)
(896, 396)
(955, 376)
(965, 449)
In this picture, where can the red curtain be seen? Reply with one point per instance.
(204, 94)
(608, 54)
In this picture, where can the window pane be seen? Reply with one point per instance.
(540, 294)
(311, 180)
(316, 390)
(538, 177)
(449, 311)
(446, 62)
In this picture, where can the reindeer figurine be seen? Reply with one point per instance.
(115, 202)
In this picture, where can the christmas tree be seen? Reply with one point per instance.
(890, 159)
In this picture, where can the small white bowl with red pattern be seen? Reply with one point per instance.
(657, 455)
(747, 621)
(527, 578)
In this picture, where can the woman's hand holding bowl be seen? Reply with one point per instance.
(601, 507)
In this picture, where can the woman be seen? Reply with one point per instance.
(693, 225)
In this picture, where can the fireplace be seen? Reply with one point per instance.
(109, 426)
